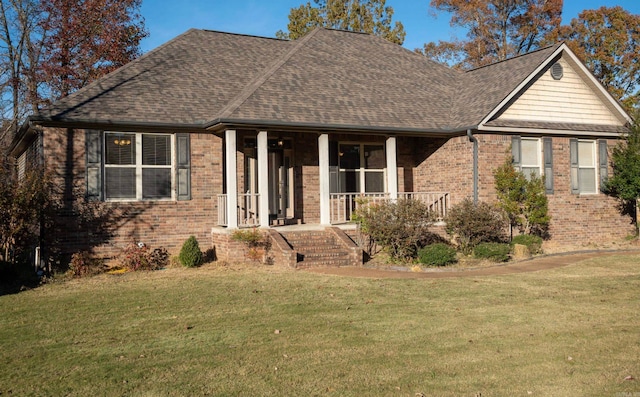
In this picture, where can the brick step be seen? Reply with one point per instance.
(310, 240)
(321, 263)
(317, 248)
(323, 255)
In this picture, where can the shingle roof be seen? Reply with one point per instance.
(328, 78)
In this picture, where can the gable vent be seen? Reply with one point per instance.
(556, 71)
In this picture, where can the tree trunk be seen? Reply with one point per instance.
(637, 204)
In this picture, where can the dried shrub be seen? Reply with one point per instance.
(258, 244)
(82, 264)
(438, 254)
(400, 227)
(473, 224)
(190, 254)
(138, 256)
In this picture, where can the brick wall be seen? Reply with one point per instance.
(155, 223)
(578, 221)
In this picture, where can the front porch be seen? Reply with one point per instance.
(283, 178)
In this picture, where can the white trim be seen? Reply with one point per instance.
(519, 130)
(562, 48)
(325, 185)
(594, 158)
(538, 154)
(263, 177)
(392, 167)
(232, 178)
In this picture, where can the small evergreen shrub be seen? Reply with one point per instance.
(190, 254)
(533, 243)
(438, 254)
(473, 224)
(496, 252)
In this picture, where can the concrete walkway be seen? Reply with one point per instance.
(525, 266)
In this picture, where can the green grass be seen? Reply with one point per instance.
(566, 332)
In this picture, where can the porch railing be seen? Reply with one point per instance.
(248, 214)
(343, 205)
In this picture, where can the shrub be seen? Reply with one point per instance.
(497, 252)
(137, 256)
(400, 227)
(438, 254)
(83, 264)
(522, 198)
(190, 254)
(258, 243)
(473, 224)
(533, 243)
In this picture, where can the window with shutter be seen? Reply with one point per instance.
(140, 166)
(583, 166)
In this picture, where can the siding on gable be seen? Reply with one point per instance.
(568, 100)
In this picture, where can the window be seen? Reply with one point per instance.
(530, 155)
(587, 162)
(358, 168)
(138, 166)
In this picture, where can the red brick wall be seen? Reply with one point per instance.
(578, 221)
(156, 223)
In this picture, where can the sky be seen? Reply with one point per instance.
(166, 19)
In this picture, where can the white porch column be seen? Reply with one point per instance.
(263, 178)
(232, 178)
(323, 166)
(392, 168)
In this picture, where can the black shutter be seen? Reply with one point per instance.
(573, 154)
(516, 151)
(183, 167)
(93, 143)
(603, 160)
(547, 144)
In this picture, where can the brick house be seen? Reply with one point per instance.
(184, 140)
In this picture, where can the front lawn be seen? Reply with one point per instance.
(260, 331)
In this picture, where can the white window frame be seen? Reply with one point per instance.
(539, 159)
(594, 158)
(361, 171)
(139, 166)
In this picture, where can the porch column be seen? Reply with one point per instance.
(392, 168)
(232, 178)
(263, 178)
(323, 165)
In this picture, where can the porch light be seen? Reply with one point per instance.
(280, 142)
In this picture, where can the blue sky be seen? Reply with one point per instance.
(166, 19)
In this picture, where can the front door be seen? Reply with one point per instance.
(280, 179)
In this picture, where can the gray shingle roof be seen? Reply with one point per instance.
(328, 78)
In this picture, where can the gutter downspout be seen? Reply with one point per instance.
(475, 165)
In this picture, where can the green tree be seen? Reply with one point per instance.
(625, 181)
(607, 40)
(523, 199)
(369, 16)
(496, 29)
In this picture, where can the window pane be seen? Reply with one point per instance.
(528, 171)
(349, 156)
(156, 150)
(530, 152)
(585, 154)
(121, 149)
(120, 182)
(374, 157)
(349, 181)
(374, 182)
(587, 180)
(156, 183)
